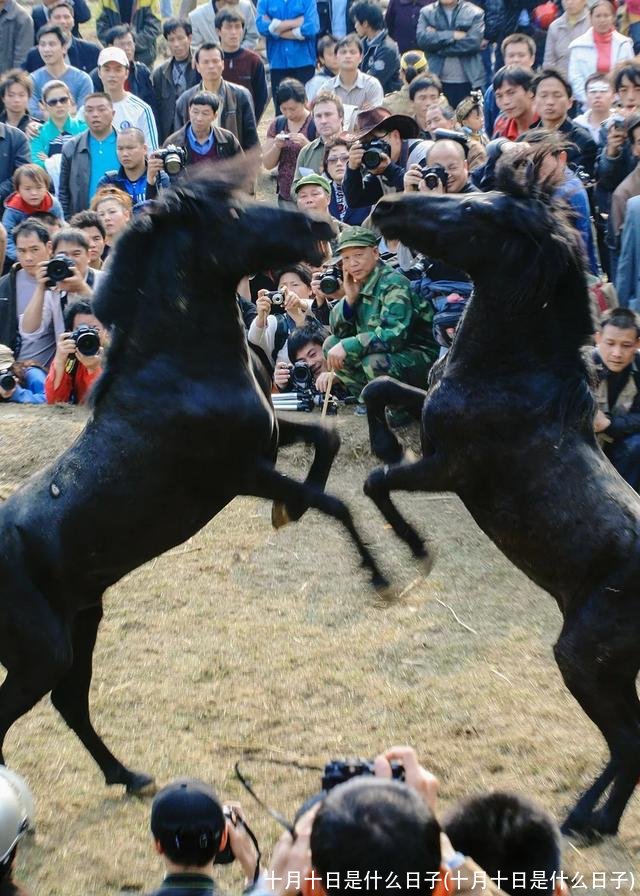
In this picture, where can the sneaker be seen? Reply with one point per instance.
(361, 410)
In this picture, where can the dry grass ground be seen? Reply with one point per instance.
(250, 642)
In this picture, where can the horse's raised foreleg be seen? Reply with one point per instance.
(267, 482)
(326, 442)
(70, 697)
(425, 475)
(379, 394)
(599, 667)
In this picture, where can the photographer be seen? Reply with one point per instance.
(73, 373)
(201, 138)
(281, 311)
(20, 382)
(446, 160)
(139, 176)
(384, 147)
(42, 319)
(304, 345)
(192, 832)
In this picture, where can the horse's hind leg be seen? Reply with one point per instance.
(70, 697)
(377, 396)
(426, 475)
(326, 442)
(267, 482)
(600, 672)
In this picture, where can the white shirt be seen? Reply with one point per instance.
(132, 112)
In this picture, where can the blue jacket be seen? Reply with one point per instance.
(628, 270)
(118, 179)
(33, 392)
(282, 53)
(83, 54)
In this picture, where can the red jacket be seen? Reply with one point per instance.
(73, 387)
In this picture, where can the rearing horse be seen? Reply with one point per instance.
(180, 427)
(509, 428)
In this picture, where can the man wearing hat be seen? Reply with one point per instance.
(398, 148)
(376, 330)
(190, 829)
(313, 194)
(129, 110)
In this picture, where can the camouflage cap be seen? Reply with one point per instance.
(312, 180)
(352, 237)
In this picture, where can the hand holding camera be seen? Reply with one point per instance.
(61, 273)
(616, 134)
(238, 842)
(8, 383)
(434, 179)
(412, 178)
(154, 166)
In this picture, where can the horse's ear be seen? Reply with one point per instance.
(116, 300)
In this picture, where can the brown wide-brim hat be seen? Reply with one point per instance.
(370, 120)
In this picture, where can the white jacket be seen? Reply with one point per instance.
(583, 59)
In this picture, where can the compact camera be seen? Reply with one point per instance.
(277, 301)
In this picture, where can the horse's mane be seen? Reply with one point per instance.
(144, 273)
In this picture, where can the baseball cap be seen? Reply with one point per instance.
(357, 236)
(599, 86)
(316, 180)
(189, 806)
(113, 54)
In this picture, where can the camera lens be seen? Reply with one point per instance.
(431, 181)
(87, 342)
(7, 381)
(329, 283)
(172, 163)
(371, 158)
(59, 268)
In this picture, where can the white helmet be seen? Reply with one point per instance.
(13, 820)
(23, 793)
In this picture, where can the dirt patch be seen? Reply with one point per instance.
(250, 642)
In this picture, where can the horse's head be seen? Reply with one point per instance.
(198, 241)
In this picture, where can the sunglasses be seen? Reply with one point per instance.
(344, 158)
(58, 101)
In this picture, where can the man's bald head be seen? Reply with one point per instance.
(450, 155)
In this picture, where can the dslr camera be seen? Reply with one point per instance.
(59, 268)
(337, 771)
(331, 279)
(300, 378)
(225, 855)
(87, 340)
(277, 301)
(174, 158)
(7, 381)
(374, 152)
(433, 176)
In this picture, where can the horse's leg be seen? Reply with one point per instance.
(70, 697)
(600, 672)
(35, 649)
(267, 482)
(378, 395)
(425, 475)
(326, 442)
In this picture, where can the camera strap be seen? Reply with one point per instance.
(273, 812)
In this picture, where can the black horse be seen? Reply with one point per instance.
(180, 427)
(509, 428)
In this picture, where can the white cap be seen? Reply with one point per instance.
(113, 54)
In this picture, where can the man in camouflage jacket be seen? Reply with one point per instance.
(378, 327)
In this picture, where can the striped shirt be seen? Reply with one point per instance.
(132, 112)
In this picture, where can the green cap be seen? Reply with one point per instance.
(357, 236)
(315, 180)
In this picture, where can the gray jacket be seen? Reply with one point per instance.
(75, 175)
(14, 151)
(166, 95)
(440, 44)
(16, 36)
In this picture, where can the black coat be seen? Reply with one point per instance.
(81, 13)
(83, 54)
(14, 151)
(9, 310)
(166, 96)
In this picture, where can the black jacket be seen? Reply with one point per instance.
(9, 310)
(226, 144)
(382, 60)
(364, 188)
(14, 151)
(186, 885)
(166, 96)
(235, 114)
(583, 149)
(139, 84)
(621, 424)
(83, 54)
(81, 13)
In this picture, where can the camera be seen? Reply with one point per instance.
(225, 855)
(300, 378)
(59, 268)
(374, 152)
(174, 158)
(433, 176)
(277, 301)
(87, 340)
(331, 279)
(340, 770)
(617, 121)
(8, 381)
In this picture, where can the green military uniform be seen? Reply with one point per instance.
(386, 331)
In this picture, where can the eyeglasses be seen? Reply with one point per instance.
(58, 101)
(344, 158)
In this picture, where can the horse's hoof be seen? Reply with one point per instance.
(582, 832)
(427, 561)
(279, 515)
(385, 592)
(139, 782)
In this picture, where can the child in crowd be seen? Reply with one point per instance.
(31, 197)
(471, 120)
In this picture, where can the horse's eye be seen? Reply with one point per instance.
(234, 213)
(467, 207)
